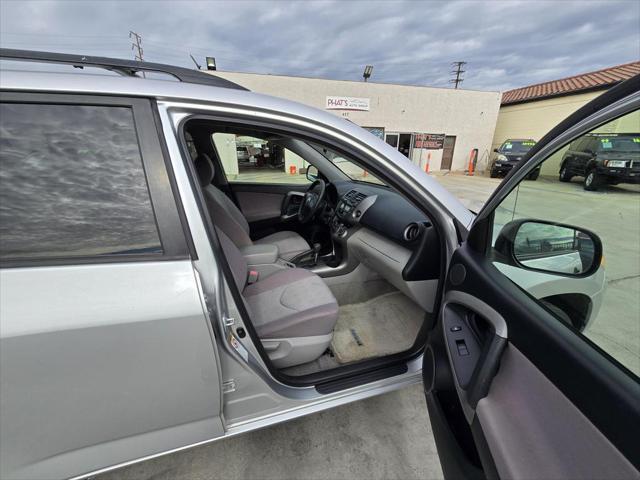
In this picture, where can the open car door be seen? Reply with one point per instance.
(516, 384)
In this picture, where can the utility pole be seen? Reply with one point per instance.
(194, 61)
(457, 72)
(136, 45)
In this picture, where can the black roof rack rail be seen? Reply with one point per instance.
(127, 68)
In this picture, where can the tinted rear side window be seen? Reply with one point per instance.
(579, 144)
(72, 183)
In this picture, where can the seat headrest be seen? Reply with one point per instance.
(204, 168)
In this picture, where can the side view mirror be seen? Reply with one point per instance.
(312, 173)
(497, 150)
(549, 247)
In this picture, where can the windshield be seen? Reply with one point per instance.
(619, 144)
(350, 169)
(517, 146)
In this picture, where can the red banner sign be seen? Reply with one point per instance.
(430, 141)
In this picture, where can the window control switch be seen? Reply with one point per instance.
(461, 345)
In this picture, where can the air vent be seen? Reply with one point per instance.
(355, 197)
(412, 232)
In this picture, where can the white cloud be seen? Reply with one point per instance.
(507, 44)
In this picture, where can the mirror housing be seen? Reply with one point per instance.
(497, 150)
(312, 173)
(549, 247)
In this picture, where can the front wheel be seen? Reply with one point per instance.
(565, 176)
(592, 181)
(493, 173)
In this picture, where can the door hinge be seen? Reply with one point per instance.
(229, 386)
(228, 321)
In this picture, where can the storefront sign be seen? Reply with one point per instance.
(347, 103)
(430, 141)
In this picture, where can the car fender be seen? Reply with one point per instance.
(542, 285)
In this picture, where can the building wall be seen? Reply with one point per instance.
(469, 115)
(535, 119)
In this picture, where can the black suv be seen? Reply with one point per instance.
(510, 153)
(603, 158)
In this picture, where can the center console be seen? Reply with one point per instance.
(264, 259)
(350, 209)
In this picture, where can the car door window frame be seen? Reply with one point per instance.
(574, 363)
(354, 149)
(170, 225)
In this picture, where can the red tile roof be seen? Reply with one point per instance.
(570, 85)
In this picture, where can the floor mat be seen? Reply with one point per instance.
(381, 326)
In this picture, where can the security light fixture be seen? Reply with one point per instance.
(211, 63)
(367, 72)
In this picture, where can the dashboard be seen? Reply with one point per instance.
(386, 232)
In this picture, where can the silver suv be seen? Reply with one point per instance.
(152, 300)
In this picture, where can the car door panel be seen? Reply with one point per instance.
(566, 362)
(263, 205)
(128, 373)
(570, 448)
(558, 405)
(257, 206)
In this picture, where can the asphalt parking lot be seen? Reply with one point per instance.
(390, 436)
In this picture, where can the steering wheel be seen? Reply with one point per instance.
(313, 198)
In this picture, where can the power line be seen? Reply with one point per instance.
(457, 72)
(386, 68)
(162, 49)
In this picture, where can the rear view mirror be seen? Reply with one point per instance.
(312, 173)
(549, 247)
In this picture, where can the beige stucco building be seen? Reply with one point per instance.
(530, 112)
(460, 120)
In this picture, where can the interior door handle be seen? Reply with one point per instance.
(474, 355)
(486, 369)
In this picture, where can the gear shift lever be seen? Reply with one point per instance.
(308, 258)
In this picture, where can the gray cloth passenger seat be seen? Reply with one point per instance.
(231, 221)
(293, 311)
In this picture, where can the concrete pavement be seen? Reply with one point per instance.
(385, 437)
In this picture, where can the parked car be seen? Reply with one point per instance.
(243, 154)
(148, 304)
(603, 159)
(510, 153)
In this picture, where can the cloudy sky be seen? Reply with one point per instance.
(507, 44)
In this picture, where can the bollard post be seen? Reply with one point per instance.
(472, 163)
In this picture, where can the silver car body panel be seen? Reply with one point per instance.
(142, 327)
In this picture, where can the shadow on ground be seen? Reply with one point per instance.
(385, 437)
